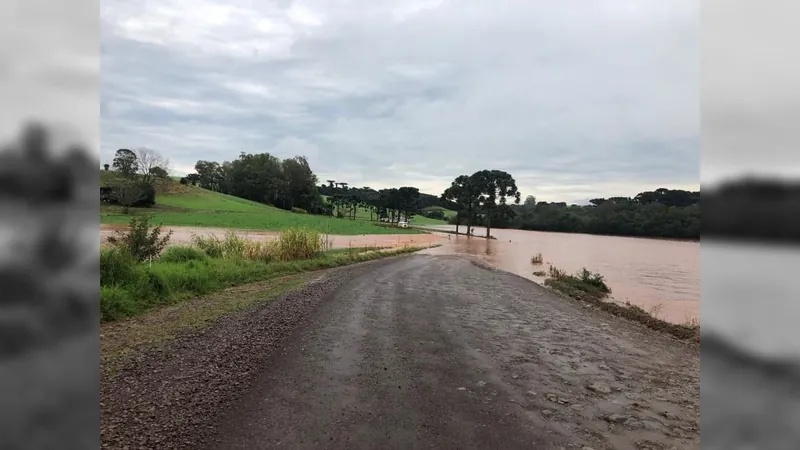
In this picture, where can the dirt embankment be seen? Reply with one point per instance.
(426, 351)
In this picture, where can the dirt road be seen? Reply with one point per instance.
(411, 352)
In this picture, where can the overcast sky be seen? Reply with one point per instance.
(575, 99)
(750, 95)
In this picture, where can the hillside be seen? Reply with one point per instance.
(182, 205)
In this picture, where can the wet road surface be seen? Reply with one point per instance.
(436, 352)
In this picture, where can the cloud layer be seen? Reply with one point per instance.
(575, 99)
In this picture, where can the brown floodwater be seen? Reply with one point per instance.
(183, 235)
(661, 276)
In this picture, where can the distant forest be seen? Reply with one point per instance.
(487, 197)
(665, 213)
(753, 208)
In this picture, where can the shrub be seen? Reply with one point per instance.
(117, 266)
(116, 303)
(140, 240)
(183, 253)
(537, 259)
(593, 279)
(210, 245)
(555, 272)
(259, 251)
(298, 243)
(299, 211)
(231, 247)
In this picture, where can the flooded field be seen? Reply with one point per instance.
(183, 235)
(662, 276)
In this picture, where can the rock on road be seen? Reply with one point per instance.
(424, 352)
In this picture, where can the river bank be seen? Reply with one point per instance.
(660, 276)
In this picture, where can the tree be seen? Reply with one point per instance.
(465, 194)
(106, 166)
(210, 175)
(193, 178)
(126, 163)
(300, 188)
(530, 202)
(159, 172)
(149, 161)
(495, 187)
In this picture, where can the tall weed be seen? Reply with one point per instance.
(141, 240)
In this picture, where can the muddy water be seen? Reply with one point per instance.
(662, 276)
(183, 235)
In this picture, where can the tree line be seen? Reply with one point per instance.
(753, 208)
(388, 205)
(288, 184)
(666, 213)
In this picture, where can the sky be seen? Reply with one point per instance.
(575, 99)
(750, 100)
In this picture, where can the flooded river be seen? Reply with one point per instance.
(662, 276)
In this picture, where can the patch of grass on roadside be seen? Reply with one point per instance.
(590, 287)
(118, 339)
(130, 286)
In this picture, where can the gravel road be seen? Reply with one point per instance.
(410, 352)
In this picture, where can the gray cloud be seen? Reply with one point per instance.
(750, 98)
(575, 99)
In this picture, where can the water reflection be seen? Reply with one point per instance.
(661, 276)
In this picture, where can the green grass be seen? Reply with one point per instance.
(119, 340)
(268, 220)
(203, 200)
(131, 285)
(178, 205)
(129, 289)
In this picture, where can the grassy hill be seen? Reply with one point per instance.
(181, 205)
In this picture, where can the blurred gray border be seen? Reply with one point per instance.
(750, 101)
(49, 325)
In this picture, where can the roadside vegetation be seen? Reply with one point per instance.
(591, 287)
(139, 272)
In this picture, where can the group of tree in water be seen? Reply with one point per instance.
(487, 198)
(482, 200)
